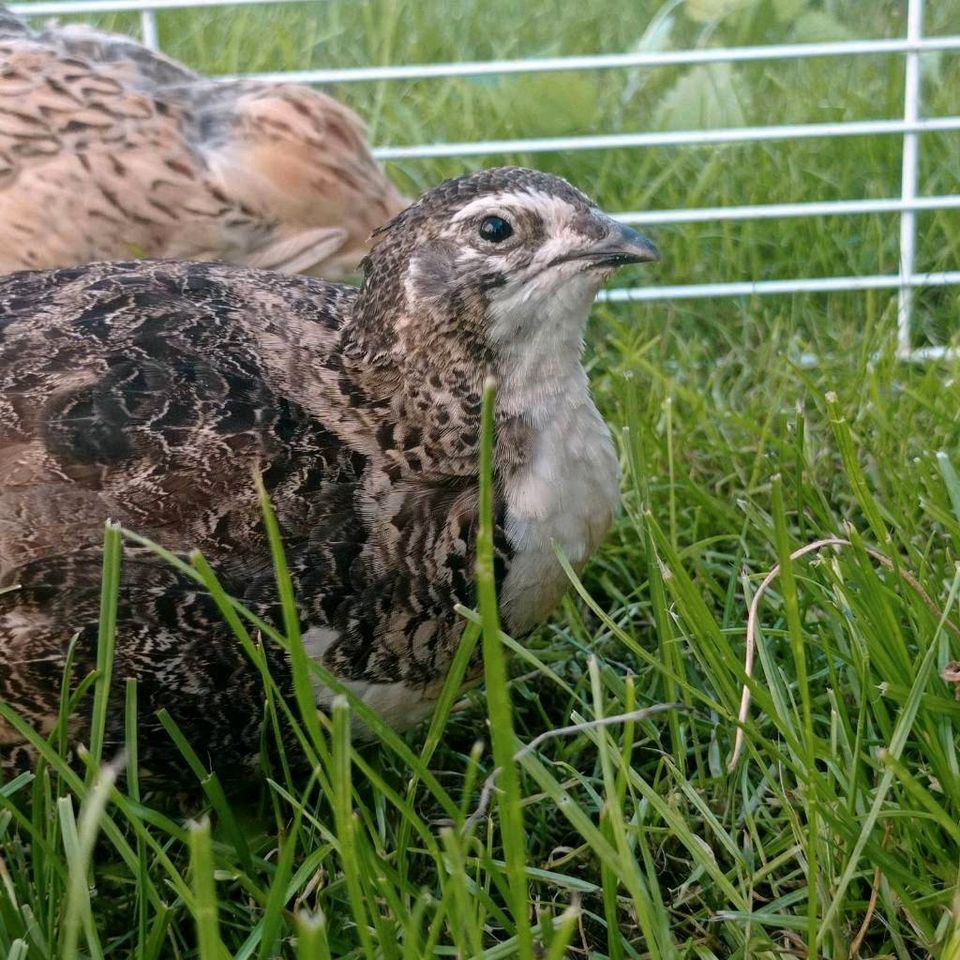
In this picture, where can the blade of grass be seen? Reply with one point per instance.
(78, 842)
(205, 911)
(106, 639)
(299, 661)
(498, 690)
(791, 602)
(312, 937)
(346, 822)
(210, 783)
(279, 893)
(131, 731)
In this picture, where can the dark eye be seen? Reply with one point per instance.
(495, 229)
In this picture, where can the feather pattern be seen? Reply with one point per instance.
(109, 150)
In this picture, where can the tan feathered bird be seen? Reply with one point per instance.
(109, 150)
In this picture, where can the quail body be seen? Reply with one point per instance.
(148, 392)
(109, 150)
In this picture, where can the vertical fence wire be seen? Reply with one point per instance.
(909, 179)
(148, 28)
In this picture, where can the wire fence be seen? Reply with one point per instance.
(909, 128)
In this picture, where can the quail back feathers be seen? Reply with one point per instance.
(109, 150)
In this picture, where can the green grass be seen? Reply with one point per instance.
(837, 834)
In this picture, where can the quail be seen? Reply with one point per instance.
(109, 150)
(147, 393)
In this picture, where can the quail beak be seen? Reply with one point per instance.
(620, 246)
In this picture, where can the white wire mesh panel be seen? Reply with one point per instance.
(910, 128)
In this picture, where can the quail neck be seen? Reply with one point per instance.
(147, 393)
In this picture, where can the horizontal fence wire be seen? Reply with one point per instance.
(780, 211)
(611, 61)
(752, 288)
(672, 138)
(63, 8)
(477, 68)
(910, 128)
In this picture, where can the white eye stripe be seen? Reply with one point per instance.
(491, 204)
(553, 210)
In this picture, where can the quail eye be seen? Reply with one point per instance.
(495, 229)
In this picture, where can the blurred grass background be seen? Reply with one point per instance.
(838, 836)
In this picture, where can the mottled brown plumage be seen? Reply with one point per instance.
(109, 150)
(148, 392)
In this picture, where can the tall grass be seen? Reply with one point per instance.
(837, 833)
